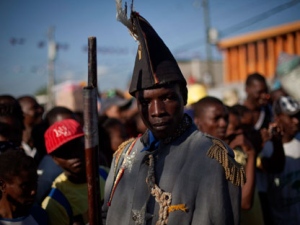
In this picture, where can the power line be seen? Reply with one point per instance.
(239, 26)
(259, 17)
(187, 46)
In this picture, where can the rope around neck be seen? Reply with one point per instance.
(162, 198)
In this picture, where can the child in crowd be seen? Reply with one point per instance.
(18, 184)
(67, 202)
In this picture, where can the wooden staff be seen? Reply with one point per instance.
(90, 113)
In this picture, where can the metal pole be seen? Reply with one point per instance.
(91, 136)
(208, 45)
(51, 59)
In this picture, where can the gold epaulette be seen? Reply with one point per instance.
(120, 149)
(118, 169)
(234, 172)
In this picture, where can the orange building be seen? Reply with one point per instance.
(258, 51)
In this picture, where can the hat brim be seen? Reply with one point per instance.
(63, 142)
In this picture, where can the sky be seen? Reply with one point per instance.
(24, 25)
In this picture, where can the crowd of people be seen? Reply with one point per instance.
(161, 161)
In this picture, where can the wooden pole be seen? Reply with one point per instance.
(91, 136)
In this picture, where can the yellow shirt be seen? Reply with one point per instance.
(77, 196)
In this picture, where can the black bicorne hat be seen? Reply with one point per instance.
(154, 64)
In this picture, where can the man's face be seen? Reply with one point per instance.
(247, 120)
(258, 93)
(117, 135)
(14, 129)
(71, 157)
(21, 190)
(213, 120)
(234, 125)
(32, 111)
(290, 125)
(161, 109)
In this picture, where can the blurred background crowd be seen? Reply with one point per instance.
(249, 99)
(262, 128)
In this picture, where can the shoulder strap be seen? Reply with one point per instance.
(123, 151)
(60, 197)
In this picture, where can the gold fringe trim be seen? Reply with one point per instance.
(234, 172)
(119, 173)
(181, 207)
(121, 147)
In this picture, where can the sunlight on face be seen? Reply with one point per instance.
(161, 109)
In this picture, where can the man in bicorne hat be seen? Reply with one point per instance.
(173, 173)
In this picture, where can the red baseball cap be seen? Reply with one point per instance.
(62, 132)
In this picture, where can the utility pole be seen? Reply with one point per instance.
(208, 78)
(51, 69)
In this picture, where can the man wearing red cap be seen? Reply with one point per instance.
(68, 200)
(173, 174)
